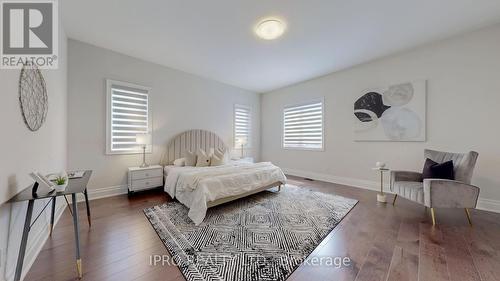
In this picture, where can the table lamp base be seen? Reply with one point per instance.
(382, 198)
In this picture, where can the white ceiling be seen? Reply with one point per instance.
(215, 38)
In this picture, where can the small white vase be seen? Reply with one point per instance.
(380, 165)
(61, 187)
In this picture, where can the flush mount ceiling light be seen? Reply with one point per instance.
(270, 29)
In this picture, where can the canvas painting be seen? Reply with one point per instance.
(393, 113)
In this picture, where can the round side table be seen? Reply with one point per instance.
(381, 197)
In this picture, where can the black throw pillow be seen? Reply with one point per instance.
(434, 170)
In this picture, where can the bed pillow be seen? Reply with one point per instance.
(190, 159)
(222, 155)
(216, 161)
(434, 170)
(180, 162)
(203, 159)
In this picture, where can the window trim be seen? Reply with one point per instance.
(322, 100)
(109, 84)
(249, 143)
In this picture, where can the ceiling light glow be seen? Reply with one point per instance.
(270, 29)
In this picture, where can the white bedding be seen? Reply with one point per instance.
(195, 186)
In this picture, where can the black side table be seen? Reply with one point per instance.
(75, 186)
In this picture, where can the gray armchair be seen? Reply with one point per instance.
(440, 193)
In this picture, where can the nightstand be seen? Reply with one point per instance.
(144, 178)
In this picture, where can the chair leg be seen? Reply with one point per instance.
(468, 216)
(394, 200)
(433, 216)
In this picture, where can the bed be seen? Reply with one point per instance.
(200, 188)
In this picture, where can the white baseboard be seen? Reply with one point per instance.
(488, 205)
(104, 192)
(482, 203)
(364, 184)
(35, 245)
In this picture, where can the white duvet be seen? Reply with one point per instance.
(195, 186)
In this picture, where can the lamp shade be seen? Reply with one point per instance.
(143, 139)
(241, 141)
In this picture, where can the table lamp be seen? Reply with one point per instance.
(241, 142)
(144, 140)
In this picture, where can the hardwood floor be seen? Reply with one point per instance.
(382, 242)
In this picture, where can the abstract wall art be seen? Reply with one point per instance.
(394, 113)
(33, 97)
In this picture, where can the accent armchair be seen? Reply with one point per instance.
(440, 193)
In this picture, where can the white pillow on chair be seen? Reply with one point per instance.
(203, 159)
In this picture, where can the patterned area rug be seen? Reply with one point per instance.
(265, 236)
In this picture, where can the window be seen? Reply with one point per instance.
(128, 114)
(242, 126)
(303, 126)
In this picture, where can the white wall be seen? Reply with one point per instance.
(179, 101)
(24, 151)
(463, 75)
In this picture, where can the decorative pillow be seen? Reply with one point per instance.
(217, 161)
(203, 159)
(180, 162)
(223, 155)
(434, 170)
(190, 158)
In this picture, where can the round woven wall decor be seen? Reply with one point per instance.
(33, 97)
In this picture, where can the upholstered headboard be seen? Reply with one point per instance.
(190, 141)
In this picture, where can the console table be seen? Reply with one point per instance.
(75, 186)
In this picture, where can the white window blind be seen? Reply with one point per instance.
(303, 126)
(128, 115)
(242, 125)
